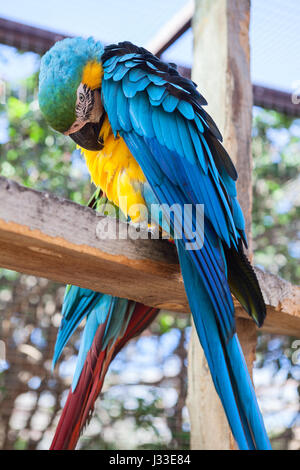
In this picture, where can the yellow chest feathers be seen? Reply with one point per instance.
(117, 173)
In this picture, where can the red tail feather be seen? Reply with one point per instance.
(80, 403)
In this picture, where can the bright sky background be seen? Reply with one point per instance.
(275, 26)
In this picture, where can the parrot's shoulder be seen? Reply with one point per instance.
(132, 73)
(132, 56)
(138, 70)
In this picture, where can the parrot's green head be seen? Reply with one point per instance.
(70, 89)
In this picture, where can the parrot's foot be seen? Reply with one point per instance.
(144, 230)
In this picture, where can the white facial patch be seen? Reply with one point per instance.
(88, 108)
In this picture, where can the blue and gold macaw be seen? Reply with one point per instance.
(147, 140)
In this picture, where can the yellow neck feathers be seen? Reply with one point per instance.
(92, 75)
(117, 173)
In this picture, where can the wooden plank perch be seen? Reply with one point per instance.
(222, 70)
(47, 236)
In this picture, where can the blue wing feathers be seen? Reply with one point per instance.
(177, 145)
(186, 109)
(170, 103)
(156, 79)
(131, 88)
(77, 303)
(145, 117)
(136, 75)
(121, 71)
(111, 64)
(155, 93)
(198, 147)
(123, 111)
(164, 195)
(186, 141)
(199, 123)
(184, 137)
(99, 309)
(110, 93)
(187, 149)
(228, 367)
(127, 57)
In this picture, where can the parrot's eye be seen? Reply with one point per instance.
(81, 97)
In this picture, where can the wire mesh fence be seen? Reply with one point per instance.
(143, 400)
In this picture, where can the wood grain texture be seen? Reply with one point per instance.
(48, 236)
(44, 235)
(209, 428)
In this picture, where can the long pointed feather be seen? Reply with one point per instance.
(81, 400)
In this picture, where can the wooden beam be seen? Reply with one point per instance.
(30, 38)
(172, 30)
(47, 236)
(221, 67)
(44, 235)
(277, 100)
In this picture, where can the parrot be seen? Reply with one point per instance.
(148, 142)
(110, 323)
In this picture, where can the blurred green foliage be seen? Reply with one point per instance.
(276, 244)
(38, 157)
(276, 195)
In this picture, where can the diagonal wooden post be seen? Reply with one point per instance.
(221, 70)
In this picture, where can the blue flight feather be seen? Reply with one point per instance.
(238, 215)
(169, 103)
(198, 146)
(134, 113)
(130, 64)
(127, 57)
(145, 117)
(123, 110)
(199, 123)
(136, 74)
(77, 303)
(110, 64)
(120, 72)
(151, 65)
(98, 315)
(155, 92)
(186, 109)
(174, 145)
(130, 89)
(230, 381)
(157, 80)
(186, 141)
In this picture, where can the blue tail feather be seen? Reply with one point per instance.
(226, 362)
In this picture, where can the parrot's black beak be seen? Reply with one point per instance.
(88, 136)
